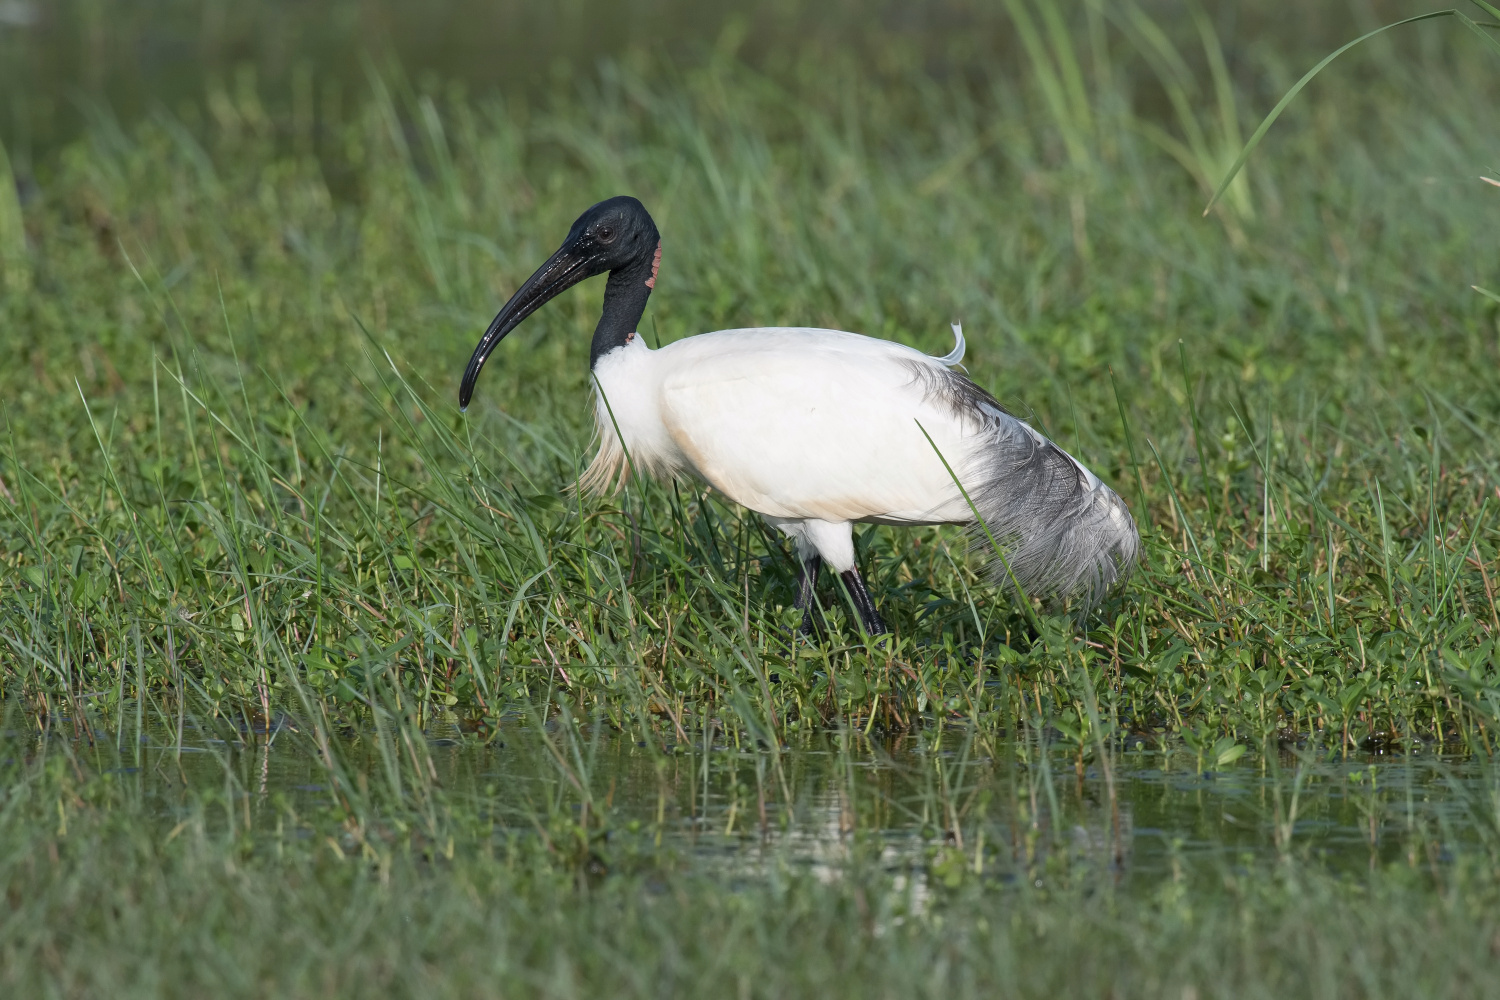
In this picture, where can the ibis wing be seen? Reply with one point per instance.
(818, 428)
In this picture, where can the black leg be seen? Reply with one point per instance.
(864, 603)
(807, 582)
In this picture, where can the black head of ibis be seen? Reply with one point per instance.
(616, 236)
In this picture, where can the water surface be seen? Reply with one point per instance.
(1000, 808)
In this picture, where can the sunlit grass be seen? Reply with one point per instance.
(259, 490)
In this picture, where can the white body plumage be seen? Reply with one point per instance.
(817, 429)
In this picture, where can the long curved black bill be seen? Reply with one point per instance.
(562, 271)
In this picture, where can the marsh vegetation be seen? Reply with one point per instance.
(313, 685)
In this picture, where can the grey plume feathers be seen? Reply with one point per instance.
(1065, 536)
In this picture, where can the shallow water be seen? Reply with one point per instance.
(1005, 809)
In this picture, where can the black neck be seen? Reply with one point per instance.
(625, 298)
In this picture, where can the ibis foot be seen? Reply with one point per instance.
(869, 615)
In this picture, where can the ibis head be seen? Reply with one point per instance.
(615, 236)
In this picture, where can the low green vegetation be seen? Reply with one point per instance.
(237, 499)
(234, 467)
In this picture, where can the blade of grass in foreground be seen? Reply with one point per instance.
(1307, 78)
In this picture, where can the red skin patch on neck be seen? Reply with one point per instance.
(655, 266)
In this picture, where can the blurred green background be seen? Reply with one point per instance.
(63, 62)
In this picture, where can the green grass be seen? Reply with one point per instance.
(234, 466)
(236, 484)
